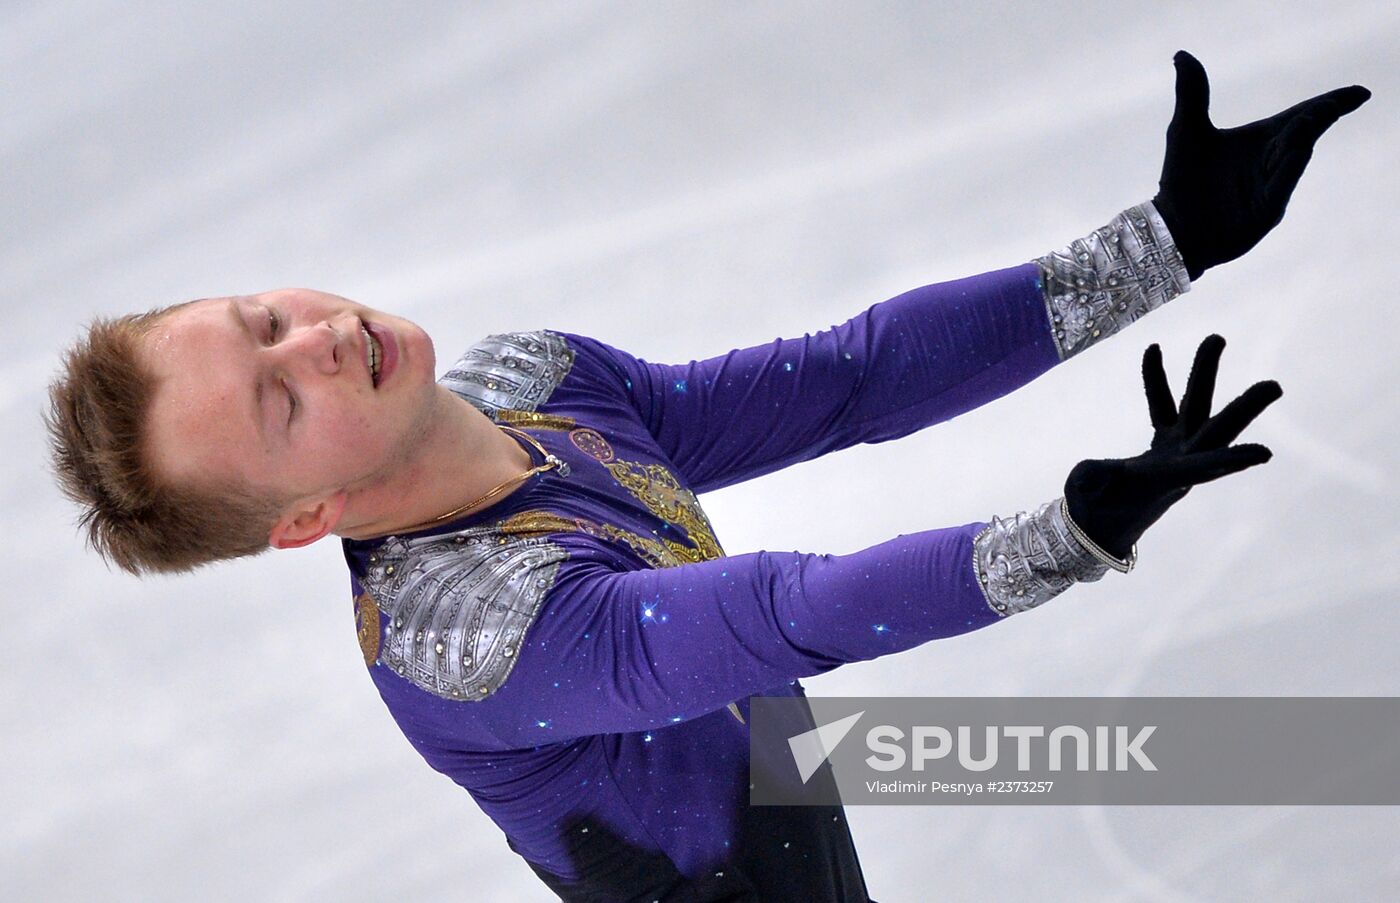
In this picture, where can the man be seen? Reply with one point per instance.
(540, 599)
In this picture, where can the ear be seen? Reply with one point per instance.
(307, 522)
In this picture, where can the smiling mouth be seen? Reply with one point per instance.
(374, 355)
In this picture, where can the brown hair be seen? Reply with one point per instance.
(96, 422)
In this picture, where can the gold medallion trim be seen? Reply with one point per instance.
(591, 443)
(367, 627)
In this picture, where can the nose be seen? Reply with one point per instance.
(320, 347)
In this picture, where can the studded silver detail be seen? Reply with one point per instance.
(1026, 560)
(517, 370)
(1111, 278)
(461, 609)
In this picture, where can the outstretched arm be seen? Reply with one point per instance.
(934, 352)
(614, 651)
(904, 364)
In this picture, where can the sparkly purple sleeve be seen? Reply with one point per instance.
(906, 363)
(614, 651)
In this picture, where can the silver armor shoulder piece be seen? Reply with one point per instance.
(516, 370)
(458, 605)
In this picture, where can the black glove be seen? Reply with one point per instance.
(1115, 501)
(1222, 190)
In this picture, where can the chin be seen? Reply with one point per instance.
(422, 347)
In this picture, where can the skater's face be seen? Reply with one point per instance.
(274, 392)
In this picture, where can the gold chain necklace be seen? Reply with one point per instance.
(550, 460)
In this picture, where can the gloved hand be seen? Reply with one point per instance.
(1115, 501)
(1222, 190)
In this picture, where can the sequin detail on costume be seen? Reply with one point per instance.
(459, 604)
(1104, 282)
(1029, 559)
(514, 370)
(534, 420)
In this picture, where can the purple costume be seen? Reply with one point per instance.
(580, 654)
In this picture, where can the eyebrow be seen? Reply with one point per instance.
(259, 412)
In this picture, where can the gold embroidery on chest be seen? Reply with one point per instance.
(651, 484)
(664, 496)
(367, 626)
(655, 552)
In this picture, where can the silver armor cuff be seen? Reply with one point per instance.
(1103, 282)
(1026, 560)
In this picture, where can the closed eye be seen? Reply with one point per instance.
(274, 326)
(291, 403)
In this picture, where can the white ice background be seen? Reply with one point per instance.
(679, 179)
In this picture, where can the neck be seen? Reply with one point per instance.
(461, 457)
